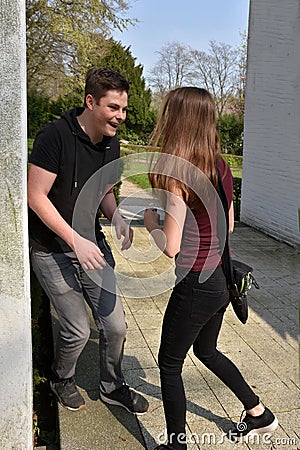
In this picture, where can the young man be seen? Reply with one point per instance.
(67, 153)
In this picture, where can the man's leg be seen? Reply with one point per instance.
(58, 276)
(100, 291)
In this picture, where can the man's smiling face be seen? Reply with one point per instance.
(110, 112)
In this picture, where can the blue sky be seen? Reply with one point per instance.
(190, 22)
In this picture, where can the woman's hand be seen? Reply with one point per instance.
(151, 219)
(167, 237)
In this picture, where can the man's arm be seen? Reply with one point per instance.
(110, 210)
(40, 182)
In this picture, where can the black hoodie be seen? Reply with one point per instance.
(63, 148)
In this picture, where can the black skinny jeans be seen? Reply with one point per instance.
(193, 317)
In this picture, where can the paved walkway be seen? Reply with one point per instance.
(265, 349)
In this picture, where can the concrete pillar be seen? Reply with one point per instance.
(15, 322)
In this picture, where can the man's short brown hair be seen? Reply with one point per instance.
(102, 79)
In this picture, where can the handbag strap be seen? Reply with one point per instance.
(226, 258)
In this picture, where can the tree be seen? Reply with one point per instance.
(217, 71)
(62, 34)
(221, 70)
(172, 69)
(231, 127)
(141, 117)
(239, 101)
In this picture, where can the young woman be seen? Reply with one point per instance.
(185, 176)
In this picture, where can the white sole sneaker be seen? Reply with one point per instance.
(258, 432)
(113, 402)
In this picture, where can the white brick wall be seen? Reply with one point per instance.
(271, 163)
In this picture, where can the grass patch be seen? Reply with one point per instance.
(141, 180)
(236, 172)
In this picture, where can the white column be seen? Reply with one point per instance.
(15, 322)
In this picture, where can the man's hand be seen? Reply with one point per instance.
(123, 229)
(109, 208)
(88, 253)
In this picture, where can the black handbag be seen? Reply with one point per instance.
(239, 276)
(243, 280)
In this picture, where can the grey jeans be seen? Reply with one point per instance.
(70, 287)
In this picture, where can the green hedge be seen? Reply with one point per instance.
(128, 149)
(237, 189)
(45, 412)
(231, 127)
(234, 161)
(117, 188)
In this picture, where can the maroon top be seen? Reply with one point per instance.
(200, 231)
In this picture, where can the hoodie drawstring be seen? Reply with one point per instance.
(75, 173)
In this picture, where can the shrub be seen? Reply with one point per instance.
(41, 109)
(231, 128)
(45, 413)
(64, 103)
(234, 161)
(117, 188)
(237, 189)
(38, 112)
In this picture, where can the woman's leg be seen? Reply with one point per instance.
(175, 343)
(258, 419)
(185, 316)
(205, 348)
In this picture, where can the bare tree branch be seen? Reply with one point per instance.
(172, 68)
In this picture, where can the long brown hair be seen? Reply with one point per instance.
(186, 129)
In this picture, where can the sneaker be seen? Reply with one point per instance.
(128, 398)
(251, 426)
(67, 394)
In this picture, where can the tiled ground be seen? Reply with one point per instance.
(265, 350)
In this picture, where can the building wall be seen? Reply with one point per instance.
(271, 163)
